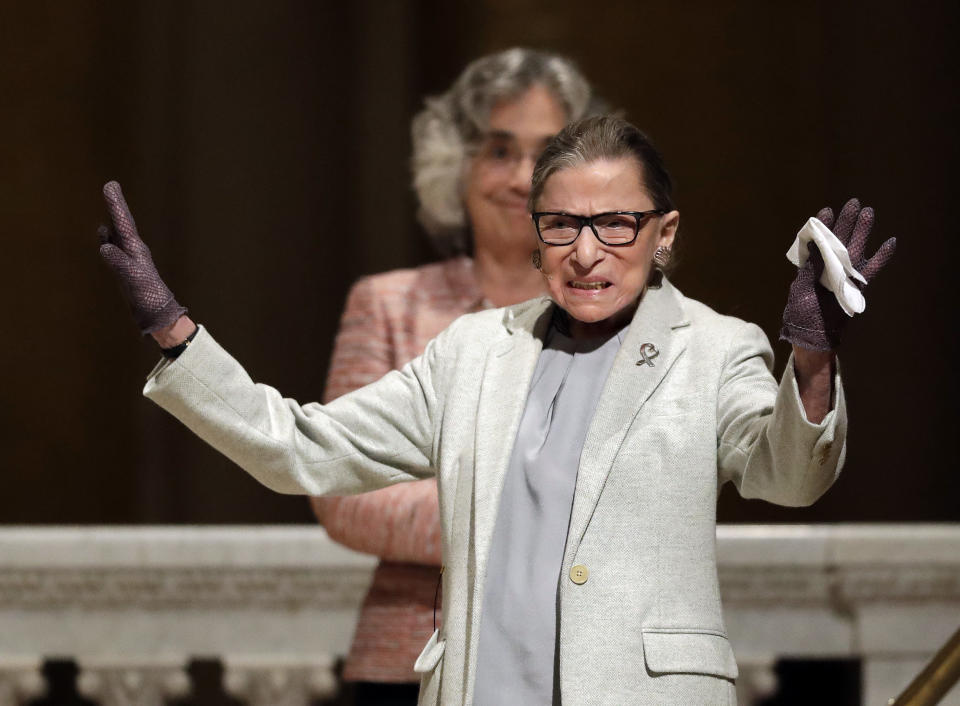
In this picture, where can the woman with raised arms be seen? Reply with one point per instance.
(579, 439)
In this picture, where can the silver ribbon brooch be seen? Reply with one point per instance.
(648, 351)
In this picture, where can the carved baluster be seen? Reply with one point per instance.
(20, 680)
(118, 683)
(272, 681)
(757, 680)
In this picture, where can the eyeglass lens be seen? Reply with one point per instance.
(612, 228)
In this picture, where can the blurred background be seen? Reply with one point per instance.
(264, 150)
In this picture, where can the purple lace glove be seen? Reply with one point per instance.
(813, 319)
(129, 257)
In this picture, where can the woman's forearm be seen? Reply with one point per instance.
(814, 371)
(176, 333)
(359, 443)
(399, 523)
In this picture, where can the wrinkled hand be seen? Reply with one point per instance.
(812, 318)
(151, 301)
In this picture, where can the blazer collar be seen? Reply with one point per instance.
(509, 367)
(652, 346)
(660, 308)
(645, 356)
(529, 317)
(506, 378)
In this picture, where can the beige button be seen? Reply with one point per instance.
(579, 574)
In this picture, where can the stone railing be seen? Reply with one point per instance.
(276, 606)
(888, 595)
(132, 606)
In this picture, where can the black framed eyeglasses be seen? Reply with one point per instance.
(616, 228)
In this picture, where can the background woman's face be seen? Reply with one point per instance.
(593, 282)
(497, 182)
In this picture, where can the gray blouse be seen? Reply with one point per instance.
(518, 625)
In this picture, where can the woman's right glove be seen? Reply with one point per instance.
(151, 301)
(813, 318)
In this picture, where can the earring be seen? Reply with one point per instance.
(536, 260)
(661, 257)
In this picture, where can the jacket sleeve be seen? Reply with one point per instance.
(399, 523)
(766, 445)
(378, 435)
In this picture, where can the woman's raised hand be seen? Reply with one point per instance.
(812, 318)
(151, 301)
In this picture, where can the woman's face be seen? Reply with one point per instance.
(497, 181)
(599, 285)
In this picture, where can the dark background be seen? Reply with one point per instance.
(264, 150)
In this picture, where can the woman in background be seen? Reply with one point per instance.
(474, 150)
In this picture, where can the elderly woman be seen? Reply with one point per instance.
(474, 150)
(579, 440)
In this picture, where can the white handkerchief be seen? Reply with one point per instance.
(838, 273)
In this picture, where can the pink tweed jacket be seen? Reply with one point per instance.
(388, 320)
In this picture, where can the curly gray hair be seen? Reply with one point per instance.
(450, 123)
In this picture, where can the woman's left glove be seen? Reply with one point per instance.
(813, 318)
(151, 301)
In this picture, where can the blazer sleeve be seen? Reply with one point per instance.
(399, 523)
(380, 434)
(766, 445)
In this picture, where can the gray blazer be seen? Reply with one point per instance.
(645, 626)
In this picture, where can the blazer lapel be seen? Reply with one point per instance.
(503, 395)
(637, 371)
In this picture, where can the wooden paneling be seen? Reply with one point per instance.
(256, 143)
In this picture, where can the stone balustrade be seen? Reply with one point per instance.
(276, 606)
